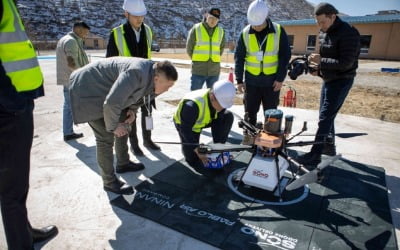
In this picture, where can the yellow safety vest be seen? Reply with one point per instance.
(205, 46)
(200, 97)
(122, 46)
(16, 51)
(269, 64)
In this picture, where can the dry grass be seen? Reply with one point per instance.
(372, 102)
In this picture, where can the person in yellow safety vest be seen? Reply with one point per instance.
(200, 109)
(205, 45)
(21, 81)
(134, 39)
(262, 55)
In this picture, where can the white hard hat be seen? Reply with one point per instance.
(135, 7)
(225, 93)
(257, 12)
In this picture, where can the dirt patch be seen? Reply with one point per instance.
(372, 102)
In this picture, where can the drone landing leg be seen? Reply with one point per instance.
(278, 175)
(293, 161)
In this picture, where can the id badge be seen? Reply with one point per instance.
(259, 55)
(149, 122)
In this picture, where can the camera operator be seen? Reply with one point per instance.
(336, 64)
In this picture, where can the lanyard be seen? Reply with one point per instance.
(262, 43)
(147, 104)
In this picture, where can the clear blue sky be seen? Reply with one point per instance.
(361, 7)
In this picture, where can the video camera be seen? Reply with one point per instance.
(298, 66)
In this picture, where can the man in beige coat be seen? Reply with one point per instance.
(70, 56)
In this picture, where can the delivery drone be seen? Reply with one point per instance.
(270, 168)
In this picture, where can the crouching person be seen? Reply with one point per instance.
(202, 109)
(106, 94)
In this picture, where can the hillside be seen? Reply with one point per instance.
(51, 19)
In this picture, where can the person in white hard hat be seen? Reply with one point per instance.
(200, 109)
(205, 45)
(134, 39)
(262, 55)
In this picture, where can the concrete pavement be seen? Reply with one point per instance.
(66, 189)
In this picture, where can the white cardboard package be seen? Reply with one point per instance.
(261, 172)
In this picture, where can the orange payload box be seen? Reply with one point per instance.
(268, 140)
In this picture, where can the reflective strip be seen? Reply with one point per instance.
(200, 119)
(20, 65)
(277, 35)
(199, 34)
(206, 52)
(149, 37)
(119, 35)
(16, 36)
(246, 37)
(252, 54)
(265, 64)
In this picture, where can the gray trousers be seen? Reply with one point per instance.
(104, 150)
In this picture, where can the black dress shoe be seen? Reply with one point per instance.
(119, 187)
(310, 158)
(130, 167)
(42, 234)
(72, 136)
(137, 151)
(150, 144)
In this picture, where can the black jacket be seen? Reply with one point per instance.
(339, 50)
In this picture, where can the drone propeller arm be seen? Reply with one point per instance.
(220, 148)
(313, 175)
(303, 143)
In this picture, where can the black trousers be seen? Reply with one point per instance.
(133, 139)
(333, 95)
(254, 96)
(220, 129)
(16, 134)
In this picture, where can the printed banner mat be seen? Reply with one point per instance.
(348, 209)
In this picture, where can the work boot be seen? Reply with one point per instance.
(329, 149)
(130, 167)
(147, 142)
(310, 158)
(42, 234)
(72, 136)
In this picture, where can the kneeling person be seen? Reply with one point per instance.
(200, 109)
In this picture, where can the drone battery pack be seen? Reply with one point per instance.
(262, 172)
(218, 160)
(268, 140)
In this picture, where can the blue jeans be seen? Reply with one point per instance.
(67, 114)
(333, 95)
(197, 81)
